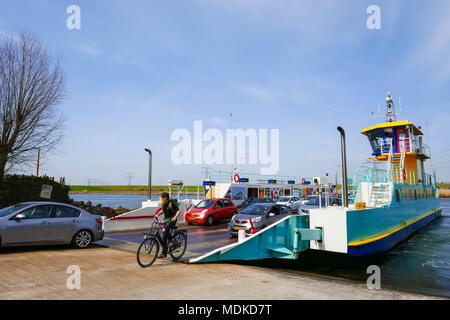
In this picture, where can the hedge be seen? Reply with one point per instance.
(21, 188)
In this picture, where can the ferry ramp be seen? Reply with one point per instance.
(284, 239)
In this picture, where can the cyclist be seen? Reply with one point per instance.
(171, 213)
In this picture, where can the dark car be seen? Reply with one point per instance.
(251, 201)
(313, 203)
(261, 216)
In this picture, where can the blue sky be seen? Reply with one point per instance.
(138, 70)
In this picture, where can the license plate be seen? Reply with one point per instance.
(239, 228)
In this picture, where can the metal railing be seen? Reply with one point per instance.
(227, 177)
(385, 175)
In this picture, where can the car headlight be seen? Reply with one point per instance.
(257, 219)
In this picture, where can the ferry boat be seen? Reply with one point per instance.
(391, 196)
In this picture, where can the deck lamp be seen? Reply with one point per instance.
(149, 174)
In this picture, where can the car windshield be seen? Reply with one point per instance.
(256, 210)
(313, 202)
(8, 210)
(283, 199)
(205, 204)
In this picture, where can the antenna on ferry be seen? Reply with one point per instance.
(390, 109)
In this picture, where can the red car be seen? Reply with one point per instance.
(209, 210)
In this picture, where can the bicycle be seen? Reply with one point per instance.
(149, 248)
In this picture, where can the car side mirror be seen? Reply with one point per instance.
(20, 216)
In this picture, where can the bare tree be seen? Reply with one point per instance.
(31, 86)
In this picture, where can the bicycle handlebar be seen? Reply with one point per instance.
(155, 217)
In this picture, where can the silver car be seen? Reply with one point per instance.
(256, 217)
(48, 223)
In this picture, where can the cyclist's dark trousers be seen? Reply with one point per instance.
(168, 226)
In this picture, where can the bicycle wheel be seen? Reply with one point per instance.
(147, 252)
(179, 245)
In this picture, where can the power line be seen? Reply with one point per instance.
(442, 162)
(448, 166)
(130, 176)
(90, 180)
(442, 151)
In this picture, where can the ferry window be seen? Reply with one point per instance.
(389, 136)
(376, 140)
(415, 194)
(405, 196)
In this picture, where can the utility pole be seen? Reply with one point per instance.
(205, 172)
(231, 131)
(38, 158)
(130, 176)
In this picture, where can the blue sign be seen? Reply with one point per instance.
(209, 183)
(272, 181)
(243, 179)
(291, 182)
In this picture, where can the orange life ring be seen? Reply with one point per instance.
(236, 178)
(303, 181)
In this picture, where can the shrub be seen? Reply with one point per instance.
(20, 188)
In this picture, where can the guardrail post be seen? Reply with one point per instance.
(241, 235)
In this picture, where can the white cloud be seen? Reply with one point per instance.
(255, 91)
(218, 121)
(90, 48)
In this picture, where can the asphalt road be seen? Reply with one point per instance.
(201, 239)
(46, 272)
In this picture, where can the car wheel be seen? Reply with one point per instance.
(82, 239)
(209, 220)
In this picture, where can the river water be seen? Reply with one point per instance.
(421, 264)
(130, 201)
